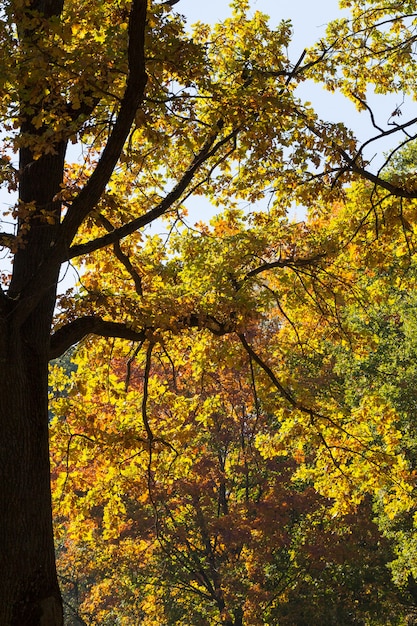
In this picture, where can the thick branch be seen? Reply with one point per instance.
(208, 150)
(394, 190)
(136, 82)
(75, 331)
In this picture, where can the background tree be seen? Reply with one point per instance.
(194, 525)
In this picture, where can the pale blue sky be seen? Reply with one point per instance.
(309, 20)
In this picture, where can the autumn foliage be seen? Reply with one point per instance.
(231, 430)
(246, 472)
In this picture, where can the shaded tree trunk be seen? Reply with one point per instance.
(29, 591)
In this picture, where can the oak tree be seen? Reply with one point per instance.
(161, 116)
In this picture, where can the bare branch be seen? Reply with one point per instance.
(386, 133)
(129, 364)
(298, 69)
(368, 108)
(352, 161)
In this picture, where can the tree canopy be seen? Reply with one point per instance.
(242, 395)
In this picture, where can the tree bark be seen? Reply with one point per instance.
(29, 592)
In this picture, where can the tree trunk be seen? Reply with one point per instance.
(29, 592)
